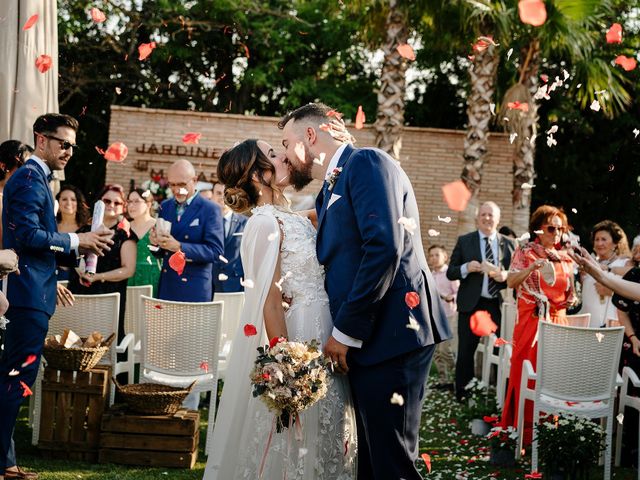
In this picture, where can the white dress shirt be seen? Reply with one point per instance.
(464, 270)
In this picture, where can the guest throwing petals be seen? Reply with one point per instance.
(543, 276)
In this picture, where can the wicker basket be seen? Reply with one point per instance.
(82, 358)
(153, 398)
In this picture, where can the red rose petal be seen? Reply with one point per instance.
(26, 391)
(145, 49)
(614, 34)
(44, 63)
(117, 152)
(177, 262)
(360, 118)
(31, 22)
(97, 15)
(532, 12)
(412, 299)
(250, 330)
(481, 323)
(204, 366)
(406, 51)
(518, 106)
(533, 475)
(500, 341)
(191, 138)
(126, 226)
(427, 461)
(457, 195)
(159, 307)
(30, 359)
(627, 63)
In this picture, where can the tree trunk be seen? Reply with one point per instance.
(524, 156)
(391, 96)
(483, 79)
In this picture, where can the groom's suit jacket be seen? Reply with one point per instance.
(371, 262)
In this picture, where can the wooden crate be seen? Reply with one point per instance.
(71, 414)
(150, 440)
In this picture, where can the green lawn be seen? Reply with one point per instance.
(455, 453)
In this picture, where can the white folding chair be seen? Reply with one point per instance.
(579, 320)
(507, 324)
(89, 313)
(233, 303)
(489, 358)
(133, 315)
(629, 377)
(180, 343)
(577, 373)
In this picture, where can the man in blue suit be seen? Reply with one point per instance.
(376, 271)
(227, 273)
(29, 227)
(196, 230)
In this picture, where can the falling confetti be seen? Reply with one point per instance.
(396, 399)
(492, 108)
(222, 277)
(614, 34)
(177, 262)
(595, 106)
(406, 51)
(574, 210)
(412, 299)
(26, 391)
(183, 191)
(248, 283)
(44, 63)
(191, 138)
(427, 461)
(481, 323)
(500, 341)
(272, 236)
(553, 129)
(627, 63)
(204, 365)
(145, 49)
(250, 330)
(512, 137)
(444, 219)
(457, 195)
(413, 324)
(600, 337)
(636, 132)
(620, 418)
(433, 233)
(30, 359)
(97, 15)
(522, 106)
(360, 118)
(526, 186)
(551, 142)
(302, 452)
(532, 12)
(409, 224)
(30, 22)
(117, 152)
(125, 226)
(14, 373)
(222, 259)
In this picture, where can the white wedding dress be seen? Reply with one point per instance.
(327, 450)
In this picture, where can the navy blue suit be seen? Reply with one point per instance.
(232, 269)
(29, 227)
(200, 233)
(371, 263)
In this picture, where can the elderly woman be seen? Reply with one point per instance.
(543, 277)
(611, 250)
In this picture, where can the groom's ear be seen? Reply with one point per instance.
(311, 135)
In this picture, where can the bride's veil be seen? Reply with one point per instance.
(259, 252)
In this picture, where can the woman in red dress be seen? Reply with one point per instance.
(543, 276)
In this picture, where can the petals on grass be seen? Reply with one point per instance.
(250, 330)
(360, 118)
(532, 12)
(457, 195)
(427, 461)
(117, 152)
(44, 63)
(97, 15)
(145, 49)
(614, 34)
(412, 299)
(177, 262)
(30, 22)
(406, 51)
(481, 323)
(191, 138)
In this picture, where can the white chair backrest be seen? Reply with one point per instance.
(577, 363)
(90, 313)
(179, 338)
(233, 303)
(133, 310)
(508, 322)
(579, 320)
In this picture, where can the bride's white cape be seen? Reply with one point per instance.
(243, 423)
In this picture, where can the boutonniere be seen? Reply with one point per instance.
(332, 177)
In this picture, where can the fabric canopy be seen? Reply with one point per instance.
(25, 93)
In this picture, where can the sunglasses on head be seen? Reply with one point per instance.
(65, 145)
(552, 228)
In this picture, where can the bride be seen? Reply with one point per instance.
(279, 259)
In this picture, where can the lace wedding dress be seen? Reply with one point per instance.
(327, 450)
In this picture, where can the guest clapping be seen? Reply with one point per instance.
(117, 265)
(148, 267)
(73, 213)
(543, 276)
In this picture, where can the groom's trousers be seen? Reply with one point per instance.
(388, 433)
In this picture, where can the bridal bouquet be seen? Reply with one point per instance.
(289, 377)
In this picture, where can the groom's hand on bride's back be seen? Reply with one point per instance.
(337, 353)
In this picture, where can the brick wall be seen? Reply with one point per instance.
(431, 157)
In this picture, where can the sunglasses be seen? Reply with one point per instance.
(553, 228)
(63, 143)
(115, 202)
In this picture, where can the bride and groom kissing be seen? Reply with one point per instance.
(347, 275)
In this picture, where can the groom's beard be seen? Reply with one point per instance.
(300, 177)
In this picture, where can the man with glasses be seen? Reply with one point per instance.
(29, 227)
(480, 260)
(196, 231)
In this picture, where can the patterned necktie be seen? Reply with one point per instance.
(488, 256)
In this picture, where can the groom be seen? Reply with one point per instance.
(374, 268)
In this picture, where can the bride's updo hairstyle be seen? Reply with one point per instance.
(235, 171)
